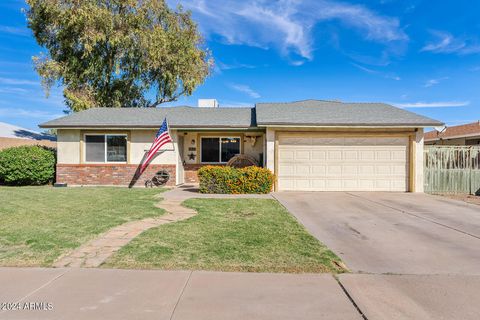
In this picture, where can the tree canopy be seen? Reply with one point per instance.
(117, 53)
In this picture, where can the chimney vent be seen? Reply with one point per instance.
(207, 103)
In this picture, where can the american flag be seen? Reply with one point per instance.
(162, 138)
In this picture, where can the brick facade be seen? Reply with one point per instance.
(110, 174)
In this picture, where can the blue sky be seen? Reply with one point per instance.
(419, 55)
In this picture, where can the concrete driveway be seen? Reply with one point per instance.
(397, 233)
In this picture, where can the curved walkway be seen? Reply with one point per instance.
(95, 252)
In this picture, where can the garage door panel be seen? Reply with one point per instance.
(343, 164)
(350, 155)
(334, 170)
(319, 154)
(286, 155)
(334, 155)
(286, 170)
(302, 155)
(302, 170)
(319, 170)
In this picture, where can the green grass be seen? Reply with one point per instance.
(38, 224)
(253, 235)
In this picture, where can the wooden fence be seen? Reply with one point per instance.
(452, 169)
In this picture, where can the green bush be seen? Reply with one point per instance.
(229, 180)
(27, 165)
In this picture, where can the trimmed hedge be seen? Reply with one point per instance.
(27, 165)
(229, 180)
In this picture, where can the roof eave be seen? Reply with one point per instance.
(359, 125)
(77, 126)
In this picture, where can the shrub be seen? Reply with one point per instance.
(27, 165)
(228, 180)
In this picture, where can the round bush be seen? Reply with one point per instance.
(27, 165)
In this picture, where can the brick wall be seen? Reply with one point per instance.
(110, 174)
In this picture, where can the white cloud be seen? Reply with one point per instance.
(233, 65)
(245, 89)
(447, 43)
(13, 81)
(434, 82)
(24, 113)
(440, 104)
(383, 74)
(18, 31)
(287, 24)
(13, 90)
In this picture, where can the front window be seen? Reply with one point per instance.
(105, 148)
(219, 149)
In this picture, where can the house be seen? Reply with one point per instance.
(462, 135)
(14, 136)
(310, 145)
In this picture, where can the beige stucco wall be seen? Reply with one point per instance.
(419, 161)
(270, 149)
(68, 146)
(140, 142)
(251, 148)
(190, 142)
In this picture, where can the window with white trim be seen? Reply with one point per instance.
(105, 148)
(219, 149)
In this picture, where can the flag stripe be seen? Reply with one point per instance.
(161, 138)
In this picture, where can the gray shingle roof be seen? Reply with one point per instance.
(177, 117)
(301, 113)
(332, 113)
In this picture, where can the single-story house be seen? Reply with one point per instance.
(462, 135)
(15, 136)
(310, 145)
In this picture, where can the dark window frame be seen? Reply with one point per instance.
(220, 147)
(105, 149)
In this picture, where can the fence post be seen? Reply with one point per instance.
(470, 171)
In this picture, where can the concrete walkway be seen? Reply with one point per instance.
(98, 250)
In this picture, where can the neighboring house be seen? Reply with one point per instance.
(310, 145)
(463, 135)
(13, 136)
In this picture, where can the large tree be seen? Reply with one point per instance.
(117, 53)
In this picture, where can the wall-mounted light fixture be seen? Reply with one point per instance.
(193, 141)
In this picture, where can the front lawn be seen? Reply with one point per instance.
(38, 224)
(255, 235)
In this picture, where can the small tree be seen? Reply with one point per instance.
(117, 53)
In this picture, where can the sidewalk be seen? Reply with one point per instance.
(127, 294)
(106, 294)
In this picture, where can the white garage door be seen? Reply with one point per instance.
(318, 163)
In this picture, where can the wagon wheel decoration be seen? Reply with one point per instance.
(159, 179)
(242, 161)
